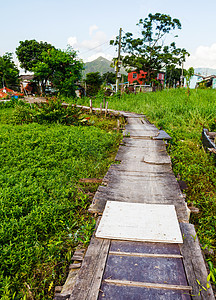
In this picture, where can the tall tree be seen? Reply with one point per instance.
(9, 73)
(109, 77)
(60, 67)
(29, 53)
(148, 51)
(93, 82)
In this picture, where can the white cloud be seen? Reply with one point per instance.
(92, 29)
(72, 41)
(95, 56)
(204, 57)
(93, 46)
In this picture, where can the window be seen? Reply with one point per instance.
(134, 75)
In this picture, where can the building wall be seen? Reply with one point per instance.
(134, 76)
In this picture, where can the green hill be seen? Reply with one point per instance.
(101, 65)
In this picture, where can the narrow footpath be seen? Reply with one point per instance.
(118, 269)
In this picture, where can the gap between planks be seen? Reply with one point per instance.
(148, 285)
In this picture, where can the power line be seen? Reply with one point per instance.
(94, 48)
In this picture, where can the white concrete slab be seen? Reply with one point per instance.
(139, 222)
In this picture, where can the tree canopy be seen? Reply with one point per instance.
(29, 53)
(9, 73)
(93, 82)
(60, 67)
(148, 51)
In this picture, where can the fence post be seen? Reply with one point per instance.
(101, 108)
(106, 109)
(90, 105)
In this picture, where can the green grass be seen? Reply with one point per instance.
(183, 118)
(43, 206)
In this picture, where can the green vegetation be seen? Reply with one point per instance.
(183, 118)
(148, 51)
(9, 73)
(61, 67)
(43, 205)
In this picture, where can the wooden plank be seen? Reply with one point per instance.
(139, 247)
(139, 222)
(157, 196)
(90, 275)
(113, 292)
(145, 269)
(144, 254)
(194, 264)
(148, 285)
(143, 143)
(149, 153)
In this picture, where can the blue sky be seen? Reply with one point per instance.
(89, 25)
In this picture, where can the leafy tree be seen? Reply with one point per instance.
(29, 53)
(60, 67)
(173, 75)
(148, 51)
(189, 75)
(93, 82)
(109, 77)
(9, 73)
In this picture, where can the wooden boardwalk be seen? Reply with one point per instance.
(125, 270)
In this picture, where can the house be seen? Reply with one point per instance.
(194, 81)
(6, 92)
(135, 76)
(26, 84)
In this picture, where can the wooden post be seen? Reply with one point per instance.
(90, 105)
(118, 125)
(101, 108)
(103, 102)
(106, 109)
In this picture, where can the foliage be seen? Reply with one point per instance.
(43, 206)
(51, 111)
(189, 74)
(29, 53)
(93, 82)
(9, 73)
(148, 52)
(109, 77)
(173, 76)
(60, 67)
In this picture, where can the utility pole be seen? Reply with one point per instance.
(118, 66)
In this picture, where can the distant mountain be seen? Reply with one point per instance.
(101, 65)
(205, 71)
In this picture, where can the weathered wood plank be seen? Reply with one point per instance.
(194, 264)
(156, 270)
(149, 285)
(148, 194)
(113, 292)
(148, 248)
(90, 275)
(144, 254)
(141, 143)
(149, 154)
